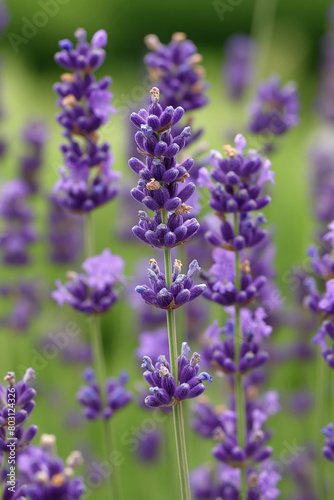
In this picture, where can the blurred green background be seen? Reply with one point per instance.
(28, 74)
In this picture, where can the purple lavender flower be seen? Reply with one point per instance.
(35, 135)
(275, 108)
(160, 177)
(113, 398)
(149, 447)
(93, 291)
(207, 419)
(175, 69)
(155, 233)
(66, 232)
(87, 181)
(220, 281)
(322, 266)
(181, 291)
(22, 394)
(19, 232)
(164, 390)
(45, 475)
(220, 353)
(229, 452)
(329, 236)
(240, 177)
(322, 179)
(249, 234)
(328, 449)
(324, 335)
(238, 70)
(25, 305)
(224, 482)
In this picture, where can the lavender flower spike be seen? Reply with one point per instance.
(161, 186)
(164, 389)
(19, 232)
(92, 292)
(181, 291)
(275, 108)
(87, 180)
(175, 69)
(35, 134)
(238, 70)
(237, 179)
(23, 396)
(115, 397)
(46, 476)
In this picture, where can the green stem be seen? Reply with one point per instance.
(319, 423)
(238, 386)
(181, 451)
(262, 30)
(101, 371)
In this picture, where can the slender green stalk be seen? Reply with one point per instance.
(263, 29)
(101, 371)
(320, 398)
(180, 441)
(238, 387)
(102, 377)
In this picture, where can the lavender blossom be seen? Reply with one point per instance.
(155, 233)
(240, 177)
(220, 281)
(113, 398)
(35, 135)
(175, 69)
(275, 108)
(45, 476)
(210, 484)
(208, 421)
(322, 179)
(149, 448)
(19, 232)
(159, 178)
(328, 449)
(250, 234)
(181, 291)
(92, 292)
(164, 389)
(66, 233)
(229, 452)
(320, 298)
(238, 70)
(22, 394)
(87, 180)
(220, 353)
(24, 300)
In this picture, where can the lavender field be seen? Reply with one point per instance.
(166, 250)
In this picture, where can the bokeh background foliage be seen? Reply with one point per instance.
(28, 75)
